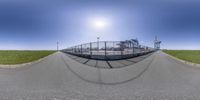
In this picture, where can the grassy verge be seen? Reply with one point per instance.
(9, 57)
(187, 55)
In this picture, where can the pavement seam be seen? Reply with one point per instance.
(78, 58)
(122, 63)
(100, 81)
(128, 61)
(147, 67)
(144, 58)
(96, 63)
(131, 61)
(67, 65)
(109, 64)
(86, 61)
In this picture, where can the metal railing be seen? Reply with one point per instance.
(109, 50)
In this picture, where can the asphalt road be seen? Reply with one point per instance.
(59, 77)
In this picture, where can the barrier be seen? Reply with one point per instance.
(109, 50)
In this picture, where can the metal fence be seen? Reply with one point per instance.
(109, 50)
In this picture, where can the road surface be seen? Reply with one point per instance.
(59, 77)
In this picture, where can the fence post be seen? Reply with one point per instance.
(90, 49)
(105, 49)
(81, 50)
(121, 49)
(75, 49)
(133, 48)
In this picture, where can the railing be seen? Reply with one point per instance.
(109, 50)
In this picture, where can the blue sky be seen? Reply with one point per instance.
(40, 24)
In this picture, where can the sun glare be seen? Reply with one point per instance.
(99, 23)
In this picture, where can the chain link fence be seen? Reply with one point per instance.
(109, 50)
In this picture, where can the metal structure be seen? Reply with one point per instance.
(157, 43)
(109, 50)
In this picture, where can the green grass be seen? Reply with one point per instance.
(187, 55)
(9, 57)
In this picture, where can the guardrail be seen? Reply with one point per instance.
(109, 50)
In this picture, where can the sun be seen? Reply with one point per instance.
(99, 23)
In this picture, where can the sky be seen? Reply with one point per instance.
(38, 25)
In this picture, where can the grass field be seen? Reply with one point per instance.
(187, 55)
(9, 57)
